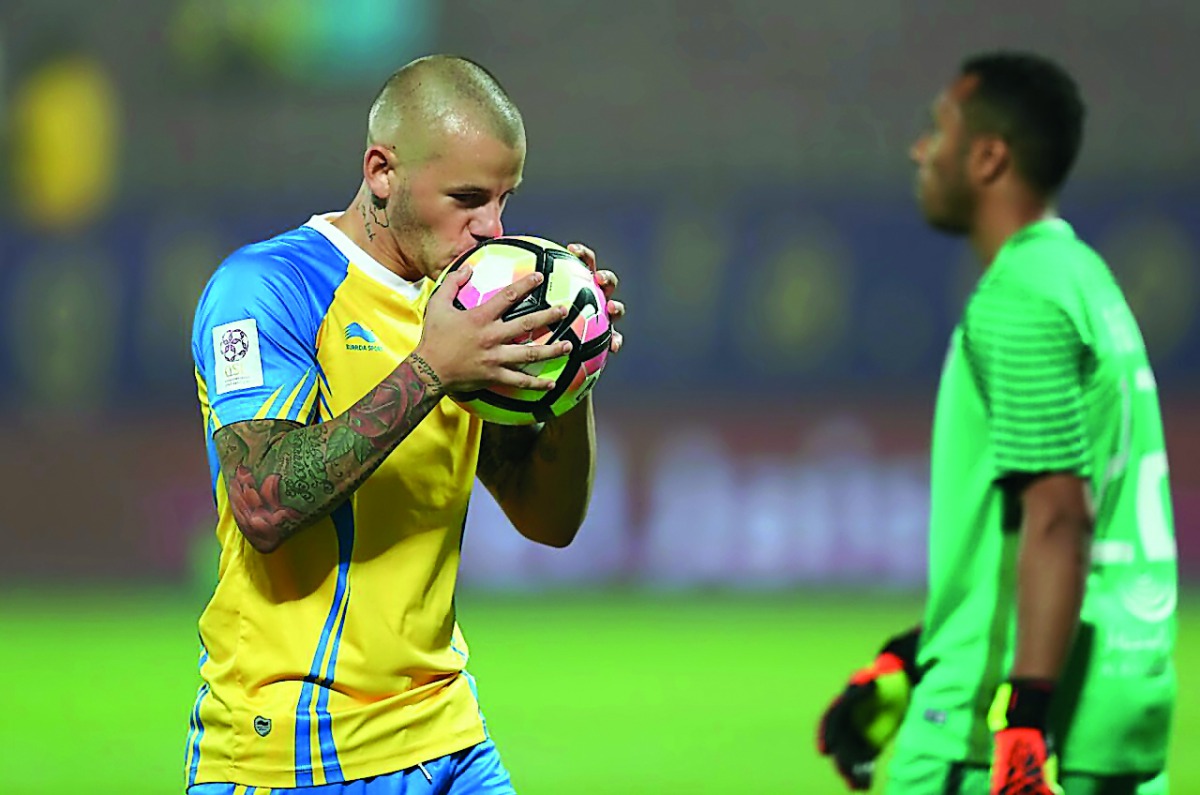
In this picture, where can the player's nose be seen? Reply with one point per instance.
(487, 224)
(916, 152)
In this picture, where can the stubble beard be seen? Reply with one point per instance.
(413, 238)
(957, 209)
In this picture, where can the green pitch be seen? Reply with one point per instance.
(600, 693)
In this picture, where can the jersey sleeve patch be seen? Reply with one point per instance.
(237, 359)
(254, 340)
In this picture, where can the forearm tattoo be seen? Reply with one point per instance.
(431, 376)
(283, 476)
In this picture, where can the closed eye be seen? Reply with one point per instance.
(478, 198)
(470, 198)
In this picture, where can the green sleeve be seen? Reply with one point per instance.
(1029, 359)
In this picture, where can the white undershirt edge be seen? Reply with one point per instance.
(365, 262)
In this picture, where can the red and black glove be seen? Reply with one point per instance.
(1023, 761)
(865, 716)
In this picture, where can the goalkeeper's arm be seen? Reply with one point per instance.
(865, 716)
(1051, 572)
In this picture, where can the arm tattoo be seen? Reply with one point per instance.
(282, 476)
(502, 449)
(431, 375)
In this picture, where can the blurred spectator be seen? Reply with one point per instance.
(65, 138)
(232, 42)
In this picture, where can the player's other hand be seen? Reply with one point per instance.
(608, 282)
(475, 349)
(1023, 761)
(865, 716)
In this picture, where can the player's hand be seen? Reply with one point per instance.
(608, 282)
(865, 716)
(474, 349)
(1023, 760)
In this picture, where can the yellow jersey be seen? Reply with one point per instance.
(336, 657)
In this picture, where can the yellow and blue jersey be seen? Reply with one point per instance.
(336, 657)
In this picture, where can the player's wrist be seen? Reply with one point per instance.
(427, 374)
(1028, 703)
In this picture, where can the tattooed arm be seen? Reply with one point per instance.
(282, 476)
(542, 478)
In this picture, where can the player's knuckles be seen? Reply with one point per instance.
(584, 253)
(510, 294)
(529, 323)
(540, 353)
(478, 318)
(491, 358)
(547, 316)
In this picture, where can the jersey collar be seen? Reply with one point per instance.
(365, 262)
(1053, 226)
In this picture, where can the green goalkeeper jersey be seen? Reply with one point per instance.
(1047, 372)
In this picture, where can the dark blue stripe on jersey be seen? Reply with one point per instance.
(306, 386)
(343, 522)
(196, 728)
(214, 464)
(322, 391)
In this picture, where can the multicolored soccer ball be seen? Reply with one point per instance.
(497, 263)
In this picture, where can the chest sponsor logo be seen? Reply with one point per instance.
(361, 338)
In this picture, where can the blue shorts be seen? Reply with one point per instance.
(474, 771)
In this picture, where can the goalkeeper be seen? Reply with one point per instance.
(1043, 663)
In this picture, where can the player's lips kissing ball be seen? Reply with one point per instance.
(497, 263)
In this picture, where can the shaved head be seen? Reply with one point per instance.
(445, 151)
(437, 95)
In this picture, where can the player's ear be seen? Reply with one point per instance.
(377, 167)
(990, 158)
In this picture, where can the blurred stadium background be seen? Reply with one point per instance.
(758, 524)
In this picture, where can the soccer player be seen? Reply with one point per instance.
(331, 657)
(1049, 627)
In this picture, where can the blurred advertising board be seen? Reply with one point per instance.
(774, 495)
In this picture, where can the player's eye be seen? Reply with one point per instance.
(469, 199)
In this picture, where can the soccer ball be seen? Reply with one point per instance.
(497, 263)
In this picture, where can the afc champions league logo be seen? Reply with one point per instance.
(234, 345)
(236, 360)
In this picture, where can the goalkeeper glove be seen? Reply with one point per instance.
(865, 716)
(1023, 760)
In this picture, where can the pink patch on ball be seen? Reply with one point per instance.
(594, 364)
(468, 296)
